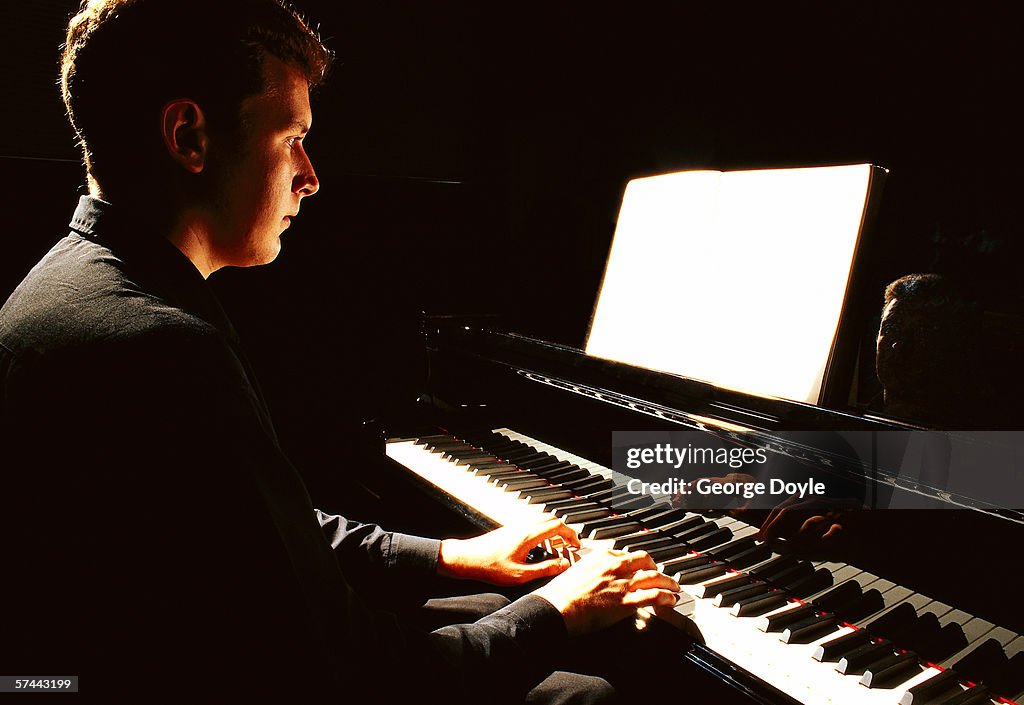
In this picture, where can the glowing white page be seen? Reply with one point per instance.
(736, 278)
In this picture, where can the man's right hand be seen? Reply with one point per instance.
(605, 586)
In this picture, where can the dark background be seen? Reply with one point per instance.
(472, 158)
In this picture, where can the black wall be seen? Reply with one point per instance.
(472, 157)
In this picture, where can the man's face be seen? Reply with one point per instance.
(891, 337)
(262, 178)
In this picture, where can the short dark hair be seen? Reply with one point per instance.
(933, 312)
(123, 60)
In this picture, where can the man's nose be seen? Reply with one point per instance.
(306, 183)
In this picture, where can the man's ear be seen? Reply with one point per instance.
(183, 127)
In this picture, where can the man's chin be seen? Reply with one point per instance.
(265, 255)
(256, 258)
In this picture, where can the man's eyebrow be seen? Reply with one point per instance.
(299, 125)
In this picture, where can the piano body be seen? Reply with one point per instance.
(915, 603)
(917, 608)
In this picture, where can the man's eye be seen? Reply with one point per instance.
(292, 141)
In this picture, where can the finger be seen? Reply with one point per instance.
(644, 579)
(649, 598)
(814, 527)
(549, 529)
(544, 569)
(762, 533)
(634, 561)
(785, 524)
(834, 531)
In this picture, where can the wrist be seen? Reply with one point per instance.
(450, 561)
(552, 597)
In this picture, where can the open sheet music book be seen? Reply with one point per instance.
(737, 278)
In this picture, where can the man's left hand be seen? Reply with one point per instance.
(500, 556)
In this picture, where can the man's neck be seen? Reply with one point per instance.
(190, 235)
(186, 229)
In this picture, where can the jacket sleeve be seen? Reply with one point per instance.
(383, 566)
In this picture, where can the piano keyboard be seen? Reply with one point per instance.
(821, 632)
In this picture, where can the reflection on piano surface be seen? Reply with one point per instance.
(916, 611)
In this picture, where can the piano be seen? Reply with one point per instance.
(924, 609)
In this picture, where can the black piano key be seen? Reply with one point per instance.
(574, 501)
(807, 630)
(597, 485)
(788, 577)
(674, 566)
(502, 450)
(751, 556)
(757, 605)
(779, 621)
(471, 458)
(934, 689)
(553, 467)
(427, 439)
(603, 496)
(948, 641)
(656, 509)
(452, 453)
(855, 662)
(443, 442)
(637, 517)
(651, 542)
(978, 695)
(893, 621)
(550, 494)
(925, 628)
(525, 483)
(715, 538)
(527, 454)
(565, 475)
(485, 469)
(815, 582)
(735, 580)
(623, 543)
(563, 471)
(840, 595)
(1009, 679)
(583, 485)
(864, 606)
(679, 525)
(732, 548)
(773, 567)
(693, 532)
(610, 532)
(701, 573)
(615, 520)
(496, 474)
(663, 554)
(668, 516)
(561, 506)
(834, 649)
(728, 598)
(621, 494)
(891, 670)
(581, 515)
(644, 500)
(981, 662)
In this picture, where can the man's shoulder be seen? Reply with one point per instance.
(80, 295)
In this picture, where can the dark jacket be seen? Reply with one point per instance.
(159, 542)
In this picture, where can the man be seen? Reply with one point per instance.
(159, 544)
(926, 354)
